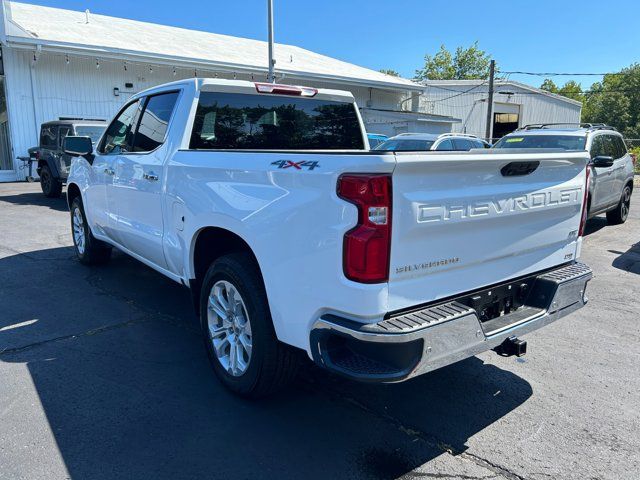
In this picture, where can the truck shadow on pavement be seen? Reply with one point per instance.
(117, 362)
(38, 199)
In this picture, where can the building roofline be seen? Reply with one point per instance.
(25, 26)
(524, 86)
(175, 61)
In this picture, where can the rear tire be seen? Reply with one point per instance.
(51, 186)
(90, 251)
(238, 331)
(621, 212)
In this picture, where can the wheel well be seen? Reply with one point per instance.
(73, 191)
(630, 184)
(43, 162)
(211, 243)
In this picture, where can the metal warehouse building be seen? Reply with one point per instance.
(514, 105)
(64, 63)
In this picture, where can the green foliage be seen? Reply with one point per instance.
(549, 86)
(465, 64)
(636, 151)
(389, 71)
(616, 101)
(571, 89)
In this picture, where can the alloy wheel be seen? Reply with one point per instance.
(626, 203)
(78, 230)
(229, 328)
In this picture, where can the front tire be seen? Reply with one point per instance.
(90, 250)
(50, 185)
(238, 331)
(621, 212)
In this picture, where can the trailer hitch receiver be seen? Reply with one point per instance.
(512, 346)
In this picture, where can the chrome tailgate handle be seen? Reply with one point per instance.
(152, 177)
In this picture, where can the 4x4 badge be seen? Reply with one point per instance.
(296, 165)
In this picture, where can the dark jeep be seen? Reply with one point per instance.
(53, 163)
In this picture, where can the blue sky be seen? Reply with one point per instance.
(540, 36)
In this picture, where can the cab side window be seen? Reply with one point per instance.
(63, 131)
(621, 148)
(119, 135)
(598, 146)
(154, 122)
(462, 144)
(445, 145)
(610, 146)
(48, 135)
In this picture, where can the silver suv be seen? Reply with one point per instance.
(611, 182)
(415, 142)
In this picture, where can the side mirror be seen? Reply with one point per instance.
(602, 161)
(78, 147)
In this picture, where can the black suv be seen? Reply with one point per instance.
(53, 163)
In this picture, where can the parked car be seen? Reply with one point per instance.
(52, 163)
(611, 166)
(375, 139)
(417, 142)
(379, 266)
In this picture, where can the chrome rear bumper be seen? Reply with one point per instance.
(408, 344)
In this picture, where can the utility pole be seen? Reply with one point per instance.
(271, 77)
(492, 71)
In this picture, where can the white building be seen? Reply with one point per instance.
(514, 105)
(64, 63)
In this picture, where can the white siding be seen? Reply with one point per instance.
(81, 89)
(470, 105)
(394, 123)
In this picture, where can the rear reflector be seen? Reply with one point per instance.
(276, 89)
(585, 199)
(367, 246)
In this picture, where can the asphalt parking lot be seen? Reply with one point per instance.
(103, 375)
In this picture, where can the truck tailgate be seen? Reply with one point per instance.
(462, 221)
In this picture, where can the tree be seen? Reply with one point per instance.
(616, 101)
(549, 86)
(465, 64)
(573, 90)
(389, 71)
(570, 89)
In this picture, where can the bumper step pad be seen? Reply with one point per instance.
(419, 319)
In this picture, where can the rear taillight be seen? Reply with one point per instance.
(276, 89)
(585, 199)
(634, 158)
(367, 246)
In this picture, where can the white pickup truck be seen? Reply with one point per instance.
(293, 236)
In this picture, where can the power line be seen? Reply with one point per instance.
(559, 74)
(544, 92)
(459, 94)
(582, 92)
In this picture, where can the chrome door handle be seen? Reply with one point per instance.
(152, 177)
(109, 171)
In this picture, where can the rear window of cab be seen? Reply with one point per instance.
(237, 121)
